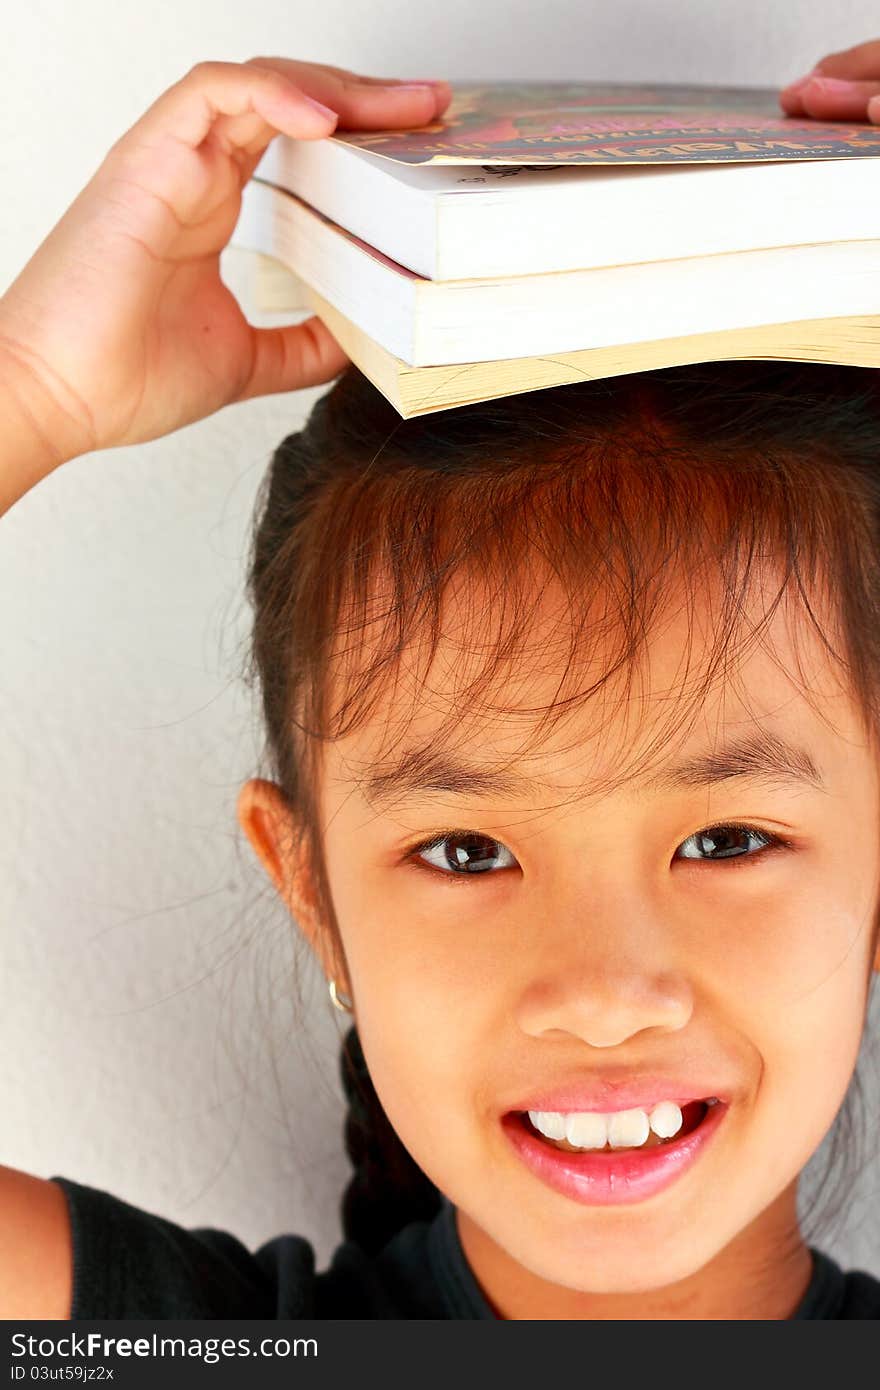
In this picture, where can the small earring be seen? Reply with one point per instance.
(340, 1000)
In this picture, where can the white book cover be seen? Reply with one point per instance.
(428, 323)
(522, 179)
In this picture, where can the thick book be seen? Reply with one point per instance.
(531, 178)
(428, 323)
(269, 288)
(632, 297)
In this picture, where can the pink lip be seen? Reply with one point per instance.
(609, 1096)
(608, 1178)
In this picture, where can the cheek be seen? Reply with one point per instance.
(416, 949)
(426, 1052)
(422, 1009)
(776, 953)
(806, 1028)
(418, 984)
(792, 980)
(792, 934)
(423, 1018)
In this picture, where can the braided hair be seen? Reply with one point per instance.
(387, 1183)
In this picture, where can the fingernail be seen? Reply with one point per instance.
(413, 87)
(836, 86)
(801, 81)
(324, 110)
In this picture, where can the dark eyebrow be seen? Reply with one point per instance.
(760, 756)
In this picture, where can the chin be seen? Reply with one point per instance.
(627, 1257)
(618, 1271)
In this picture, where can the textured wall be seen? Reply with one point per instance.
(149, 1026)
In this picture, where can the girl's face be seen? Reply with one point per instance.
(608, 939)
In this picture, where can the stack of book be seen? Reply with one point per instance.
(541, 233)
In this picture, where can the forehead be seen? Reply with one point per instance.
(546, 684)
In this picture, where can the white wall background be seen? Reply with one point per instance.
(148, 1025)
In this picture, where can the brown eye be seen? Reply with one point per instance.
(465, 852)
(725, 842)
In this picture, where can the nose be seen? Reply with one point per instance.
(613, 981)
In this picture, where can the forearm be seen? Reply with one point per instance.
(36, 434)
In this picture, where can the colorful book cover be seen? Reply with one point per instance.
(564, 123)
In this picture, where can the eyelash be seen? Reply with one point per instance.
(773, 843)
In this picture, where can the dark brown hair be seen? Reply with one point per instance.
(616, 488)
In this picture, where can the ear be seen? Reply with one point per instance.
(273, 831)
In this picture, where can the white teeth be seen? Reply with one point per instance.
(665, 1119)
(622, 1129)
(587, 1130)
(552, 1125)
(628, 1129)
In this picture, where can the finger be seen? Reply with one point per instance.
(874, 110)
(363, 104)
(188, 110)
(345, 73)
(438, 82)
(288, 358)
(243, 105)
(791, 103)
(309, 75)
(790, 96)
(861, 62)
(442, 89)
(835, 99)
(247, 134)
(827, 98)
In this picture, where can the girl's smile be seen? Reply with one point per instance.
(611, 1178)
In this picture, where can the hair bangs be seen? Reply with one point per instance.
(460, 567)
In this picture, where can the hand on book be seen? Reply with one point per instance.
(843, 86)
(120, 321)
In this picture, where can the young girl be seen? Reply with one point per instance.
(572, 702)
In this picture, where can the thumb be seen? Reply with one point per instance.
(293, 356)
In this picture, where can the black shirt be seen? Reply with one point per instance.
(130, 1263)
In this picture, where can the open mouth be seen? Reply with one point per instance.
(610, 1175)
(692, 1115)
